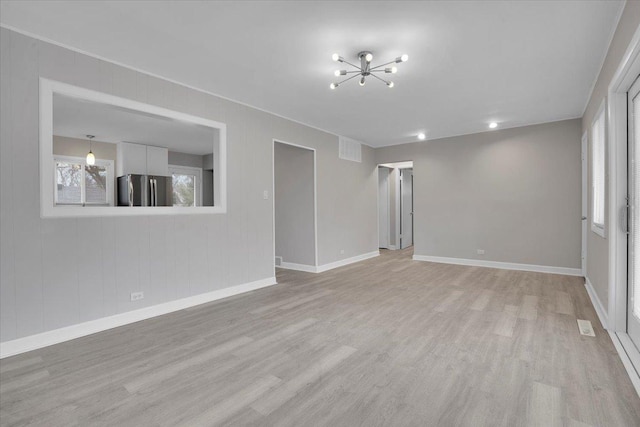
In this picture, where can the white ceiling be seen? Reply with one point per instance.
(513, 62)
(76, 118)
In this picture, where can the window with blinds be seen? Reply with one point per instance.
(598, 172)
(77, 183)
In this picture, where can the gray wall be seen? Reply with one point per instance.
(80, 147)
(207, 187)
(50, 277)
(294, 204)
(185, 159)
(514, 193)
(597, 246)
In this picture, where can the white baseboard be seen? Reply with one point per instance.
(33, 342)
(624, 356)
(392, 247)
(597, 304)
(503, 265)
(346, 261)
(330, 266)
(298, 267)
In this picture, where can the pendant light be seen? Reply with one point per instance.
(91, 159)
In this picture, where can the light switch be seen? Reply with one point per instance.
(265, 194)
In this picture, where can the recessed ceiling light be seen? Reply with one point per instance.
(421, 136)
(493, 125)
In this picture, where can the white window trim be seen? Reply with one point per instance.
(597, 228)
(108, 164)
(190, 170)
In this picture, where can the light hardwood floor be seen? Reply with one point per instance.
(388, 342)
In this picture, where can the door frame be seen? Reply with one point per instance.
(624, 77)
(273, 202)
(585, 204)
(401, 200)
(390, 171)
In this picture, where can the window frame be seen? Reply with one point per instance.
(190, 170)
(599, 120)
(109, 166)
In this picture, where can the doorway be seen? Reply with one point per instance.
(294, 207)
(395, 205)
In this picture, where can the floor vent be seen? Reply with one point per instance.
(586, 328)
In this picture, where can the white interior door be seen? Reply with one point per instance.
(406, 208)
(633, 261)
(383, 208)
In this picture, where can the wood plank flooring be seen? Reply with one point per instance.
(384, 342)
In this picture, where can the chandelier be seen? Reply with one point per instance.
(365, 69)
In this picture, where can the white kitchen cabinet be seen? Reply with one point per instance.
(157, 161)
(132, 159)
(142, 159)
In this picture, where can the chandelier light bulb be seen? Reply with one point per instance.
(335, 57)
(391, 70)
(493, 125)
(336, 73)
(404, 57)
(362, 81)
(333, 85)
(390, 84)
(368, 57)
(421, 136)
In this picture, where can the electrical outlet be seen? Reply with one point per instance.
(265, 194)
(135, 296)
(341, 251)
(480, 251)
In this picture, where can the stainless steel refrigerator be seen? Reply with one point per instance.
(145, 190)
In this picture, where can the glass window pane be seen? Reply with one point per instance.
(96, 184)
(184, 189)
(68, 181)
(598, 156)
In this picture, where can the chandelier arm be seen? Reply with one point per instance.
(383, 65)
(354, 66)
(351, 72)
(346, 80)
(382, 80)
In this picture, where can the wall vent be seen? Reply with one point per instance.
(350, 149)
(278, 261)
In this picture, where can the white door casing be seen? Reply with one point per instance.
(633, 185)
(583, 252)
(406, 208)
(383, 208)
(617, 139)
